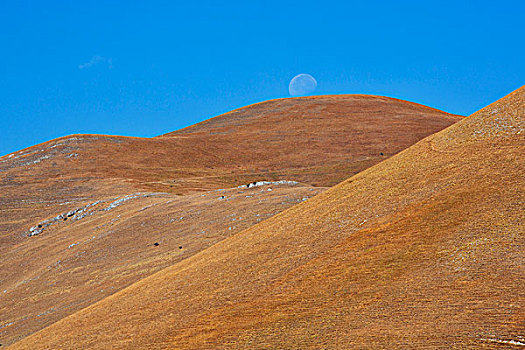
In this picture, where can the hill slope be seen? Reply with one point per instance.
(80, 216)
(318, 141)
(424, 250)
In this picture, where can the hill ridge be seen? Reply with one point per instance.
(303, 98)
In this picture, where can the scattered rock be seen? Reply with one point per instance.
(180, 247)
(156, 244)
(82, 212)
(262, 183)
(120, 201)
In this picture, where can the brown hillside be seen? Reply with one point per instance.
(424, 250)
(319, 141)
(103, 201)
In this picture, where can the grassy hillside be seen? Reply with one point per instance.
(424, 250)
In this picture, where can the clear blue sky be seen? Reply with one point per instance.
(144, 68)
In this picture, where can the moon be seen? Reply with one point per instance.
(302, 84)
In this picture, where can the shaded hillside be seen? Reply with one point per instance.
(424, 250)
(80, 215)
(113, 242)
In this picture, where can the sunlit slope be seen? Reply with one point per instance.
(424, 250)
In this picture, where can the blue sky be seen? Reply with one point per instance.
(143, 68)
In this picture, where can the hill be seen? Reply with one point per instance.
(318, 141)
(423, 250)
(84, 216)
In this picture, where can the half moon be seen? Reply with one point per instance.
(302, 84)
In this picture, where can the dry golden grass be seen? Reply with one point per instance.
(424, 250)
